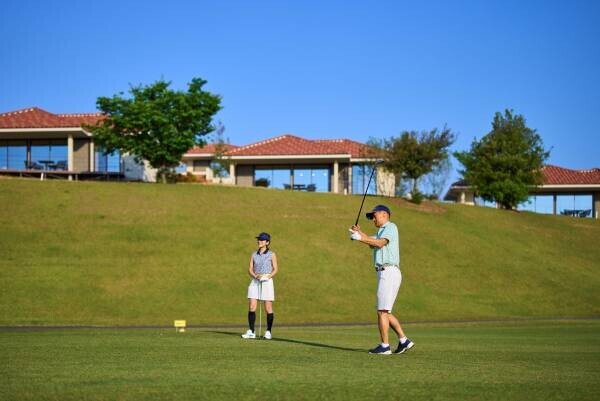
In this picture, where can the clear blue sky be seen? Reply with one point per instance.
(323, 69)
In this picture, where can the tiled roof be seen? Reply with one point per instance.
(35, 117)
(554, 175)
(288, 145)
(209, 149)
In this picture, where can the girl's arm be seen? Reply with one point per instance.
(274, 264)
(251, 268)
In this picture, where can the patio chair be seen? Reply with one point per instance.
(61, 165)
(585, 213)
(311, 187)
(32, 166)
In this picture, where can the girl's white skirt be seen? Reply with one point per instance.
(263, 291)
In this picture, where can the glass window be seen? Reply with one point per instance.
(59, 154)
(3, 156)
(16, 155)
(538, 204)
(49, 154)
(360, 179)
(200, 165)
(313, 180)
(108, 163)
(272, 178)
(574, 205)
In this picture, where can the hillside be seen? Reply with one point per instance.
(145, 254)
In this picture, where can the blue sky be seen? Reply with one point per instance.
(323, 69)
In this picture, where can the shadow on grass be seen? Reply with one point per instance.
(288, 340)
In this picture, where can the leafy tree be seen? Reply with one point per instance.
(506, 162)
(220, 165)
(438, 178)
(156, 123)
(413, 154)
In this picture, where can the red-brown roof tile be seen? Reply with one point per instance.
(35, 117)
(554, 175)
(288, 145)
(209, 149)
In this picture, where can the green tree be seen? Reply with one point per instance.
(220, 166)
(156, 123)
(506, 162)
(415, 154)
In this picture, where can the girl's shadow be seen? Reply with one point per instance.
(288, 340)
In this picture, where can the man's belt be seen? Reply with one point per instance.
(380, 268)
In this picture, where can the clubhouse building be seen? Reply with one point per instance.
(34, 142)
(564, 191)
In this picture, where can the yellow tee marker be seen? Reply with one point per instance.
(179, 326)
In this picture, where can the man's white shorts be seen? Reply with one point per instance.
(264, 291)
(388, 284)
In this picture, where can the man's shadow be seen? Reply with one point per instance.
(288, 340)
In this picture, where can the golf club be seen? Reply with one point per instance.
(366, 189)
(259, 309)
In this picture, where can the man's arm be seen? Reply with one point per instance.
(373, 242)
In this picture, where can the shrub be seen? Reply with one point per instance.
(417, 198)
(262, 182)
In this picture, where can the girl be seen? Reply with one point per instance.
(263, 267)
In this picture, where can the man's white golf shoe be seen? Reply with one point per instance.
(249, 334)
(268, 335)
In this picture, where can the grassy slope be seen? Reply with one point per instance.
(114, 253)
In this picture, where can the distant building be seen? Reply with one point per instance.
(291, 162)
(34, 142)
(558, 182)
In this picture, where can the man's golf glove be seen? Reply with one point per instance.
(354, 235)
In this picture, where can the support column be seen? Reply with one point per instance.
(350, 178)
(336, 177)
(554, 204)
(232, 173)
(70, 154)
(596, 205)
(92, 156)
(463, 197)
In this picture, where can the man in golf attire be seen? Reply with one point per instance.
(386, 258)
(263, 266)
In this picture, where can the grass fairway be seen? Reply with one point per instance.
(543, 360)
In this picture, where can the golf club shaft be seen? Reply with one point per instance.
(259, 309)
(364, 196)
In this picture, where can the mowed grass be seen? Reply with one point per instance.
(146, 254)
(544, 360)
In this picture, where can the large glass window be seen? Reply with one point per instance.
(360, 179)
(49, 154)
(272, 178)
(16, 155)
(313, 179)
(108, 163)
(3, 156)
(574, 205)
(538, 204)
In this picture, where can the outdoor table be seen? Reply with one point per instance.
(47, 164)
